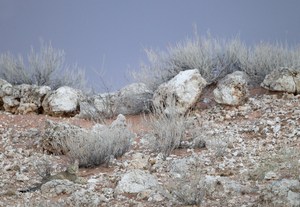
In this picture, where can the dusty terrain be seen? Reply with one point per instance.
(246, 150)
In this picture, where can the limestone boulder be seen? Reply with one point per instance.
(232, 89)
(284, 79)
(24, 98)
(180, 93)
(63, 101)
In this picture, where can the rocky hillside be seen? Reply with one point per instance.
(250, 156)
(245, 154)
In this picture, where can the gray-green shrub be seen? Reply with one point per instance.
(215, 58)
(90, 147)
(168, 130)
(45, 67)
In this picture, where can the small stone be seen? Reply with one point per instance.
(21, 177)
(271, 176)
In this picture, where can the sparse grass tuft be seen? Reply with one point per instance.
(168, 129)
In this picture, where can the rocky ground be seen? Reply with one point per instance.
(244, 156)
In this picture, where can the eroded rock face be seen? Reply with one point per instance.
(181, 92)
(63, 101)
(22, 99)
(232, 89)
(132, 99)
(285, 80)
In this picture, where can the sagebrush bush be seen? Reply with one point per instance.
(215, 58)
(91, 147)
(45, 67)
(168, 130)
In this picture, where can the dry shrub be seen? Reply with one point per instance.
(215, 58)
(45, 67)
(90, 147)
(168, 129)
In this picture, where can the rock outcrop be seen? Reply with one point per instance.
(284, 80)
(232, 89)
(180, 93)
(22, 99)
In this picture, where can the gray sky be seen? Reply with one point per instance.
(119, 30)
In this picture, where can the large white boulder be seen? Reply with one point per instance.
(180, 93)
(232, 89)
(285, 80)
(63, 101)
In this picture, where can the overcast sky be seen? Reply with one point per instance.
(118, 30)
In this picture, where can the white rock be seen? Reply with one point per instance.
(63, 101)
(232, 89)
(284, 79)
(21, 177)
(180, 93)
(270, 175)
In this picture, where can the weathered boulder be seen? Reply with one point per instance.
(284, 79)
(24, 98)
(232, 89)
(136, 181)
(180, 93)
(63, 101)
(133, 99)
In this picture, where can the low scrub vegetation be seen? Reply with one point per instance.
(168, 130)
(45, 67)
(215, 58)
(90, 147)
